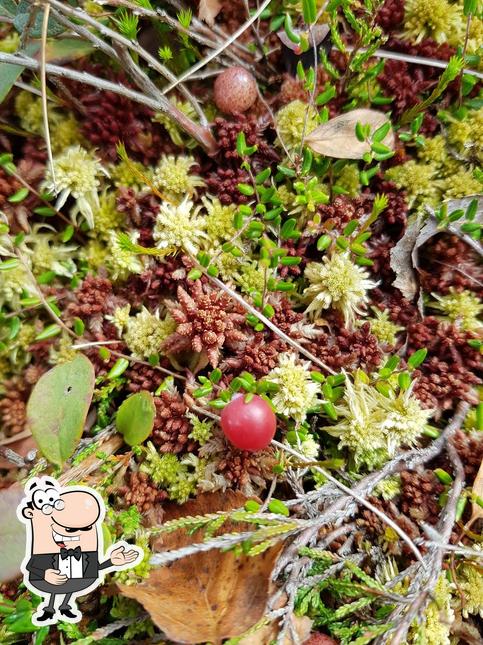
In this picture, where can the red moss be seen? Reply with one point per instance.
(140, 491)
(207, 321)
(171, 426)
(390, 15)
(447, 261)
(347, 349)
(470, 450)
(223, 183)
(420, 493)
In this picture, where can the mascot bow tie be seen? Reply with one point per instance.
(66, 553)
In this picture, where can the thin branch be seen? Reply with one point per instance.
(266, 321)
(129, 44)
(417, 60)
(352, 493)
(434, 558)
(198, 132)
(43, 85)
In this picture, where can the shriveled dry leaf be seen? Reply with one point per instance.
(402, 261)
(405, 254)
(208, 596)
(208, 10)
(12, 533)
(337, 137)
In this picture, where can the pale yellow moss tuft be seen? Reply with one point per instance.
(419, 180)
(106, 216)
(172, 177)
(372, 426)
(28, 109)
(10, 43)
(119, 262)
(462, 308)
(297, 392)
(77, 174)
(64, 133)
(470, 581)
(219, 220)
(440, 20)
(337, 283)
(384, 329)
(290, 121)
(179, 226)
(146, 332)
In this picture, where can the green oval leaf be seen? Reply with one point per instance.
(135, 418)
(58, 406)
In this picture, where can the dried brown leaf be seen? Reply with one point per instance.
(404, 260)
(405, 254)
(208, 10)
(208, 596)
(337, 137)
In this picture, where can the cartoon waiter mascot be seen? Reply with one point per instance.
(64, 549)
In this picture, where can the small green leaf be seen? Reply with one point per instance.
(350, 227)
(49, 332)
(443, 476)
(119, 367)
(7, 265)
(309, 9)
(246, 189)
(417, 358)
(252, 506)
(324, 242)
(135, 418)
(58, 407)
(216, 375)
(19, 196)
(278, 507)
(404, 380)
(79, 326)
(195, 274)
(289, 30)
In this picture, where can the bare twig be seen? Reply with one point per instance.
(424, 583)
(266, 321)
(201, 134)
(355, 495)
(128, 44)
(43, 85)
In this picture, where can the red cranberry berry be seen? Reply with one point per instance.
(248, 425)
(235, 90)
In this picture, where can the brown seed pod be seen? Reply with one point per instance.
(235, 90)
